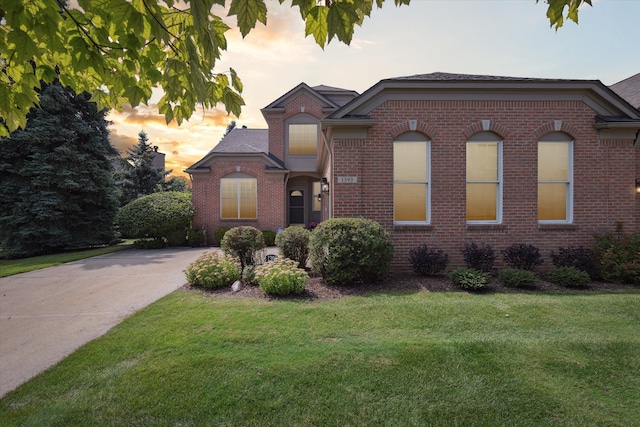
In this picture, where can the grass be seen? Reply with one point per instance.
(388, 359)
(24, 265)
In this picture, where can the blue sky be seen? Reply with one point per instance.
(496, 37)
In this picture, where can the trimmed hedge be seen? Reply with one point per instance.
(156, 215)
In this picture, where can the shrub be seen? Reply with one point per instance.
(470, 279)
(350, 250)
(218, 235)
(580, 258)
(619, 257)
(196, 237)
(428, 261)
(281, 277)
(514, 278)
(479, 257)
(156, 215)
(157, 243)
(570, 277)
(249, 275)
(293, 243)
(521, 256)
(243, 243)
(177, 237)
(213, 271)
(269, 237)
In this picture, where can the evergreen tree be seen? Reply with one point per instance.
(139, 176)
(57, 191)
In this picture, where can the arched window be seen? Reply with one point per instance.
(484, 178)
(555, 178)
(411, 174)
(238, 196)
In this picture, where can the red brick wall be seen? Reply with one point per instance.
(603, 175)
(271, 197)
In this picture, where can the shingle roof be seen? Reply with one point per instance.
(241, 140)
(452, 76)
(629, 89)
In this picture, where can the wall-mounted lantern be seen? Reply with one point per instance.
(638, 186)
(324, 185)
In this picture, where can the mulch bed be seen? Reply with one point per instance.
(317, 290)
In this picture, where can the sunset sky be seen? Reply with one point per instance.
(496, 37)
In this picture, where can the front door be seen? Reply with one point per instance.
(296, 207)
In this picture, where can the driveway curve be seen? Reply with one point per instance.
(47, 314)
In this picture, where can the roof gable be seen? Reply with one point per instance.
(295, 92)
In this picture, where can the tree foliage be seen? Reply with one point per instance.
(118, 50)
(57, 190)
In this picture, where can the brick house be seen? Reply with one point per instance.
(441, 159)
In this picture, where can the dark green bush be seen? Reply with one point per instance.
(269, 237)
(249, 275)
(515, 278)
(522, 256)
(580, 258)
(156, 215)
(218, 235)
(569, 277)
(213, 271)
(470, 279)
(345, 251)
(619, 257)
(157, 243)
(196, 237)
(479, 257)
(428, 261)
(177, 238)
(293, 243)
(281, 277)
(244, 244)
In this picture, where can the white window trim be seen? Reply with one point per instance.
(569, 202)
(498, 219)
(428, 183)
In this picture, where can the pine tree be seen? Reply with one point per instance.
(57, 191)
(139, 176)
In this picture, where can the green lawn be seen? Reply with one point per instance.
(23, 265)
(437, 359)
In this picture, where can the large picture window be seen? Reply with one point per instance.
(303, 139)
(484, 178)
(555, 178)
(411, 170)
(238, 197)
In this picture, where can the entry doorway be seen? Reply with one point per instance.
(296, 207)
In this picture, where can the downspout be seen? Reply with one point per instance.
(326, 144)
(286, 200)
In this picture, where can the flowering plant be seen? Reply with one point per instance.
(281, 277)
(213, 271)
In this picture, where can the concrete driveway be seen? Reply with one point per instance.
(47, 314)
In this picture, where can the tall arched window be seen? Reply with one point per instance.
(238, 196)
(555, 178)
(484, 178)
(411, 174)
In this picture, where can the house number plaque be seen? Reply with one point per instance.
(347, 179)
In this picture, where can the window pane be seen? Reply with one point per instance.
(316, 190)
(552, 202)
(410, 161)
(482, 202)
(303, 139)
(248, 197)
(553, 161)
(238, 198)
(482, 161)
(410, 202)
(229, 198)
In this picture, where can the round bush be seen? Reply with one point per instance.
(479, 257)
(515, 278)
(569, 277)
(281, 277)
(428, 261)
(156, 215)
(218, 235)
(196, 237)
(350, 250)
(213, 271)
(522, 256)
(469, 279)
(243, 243)
(269, 237)
(293, 243)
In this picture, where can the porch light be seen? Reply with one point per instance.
(324, 185)
(319, 196)
(638, 186)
